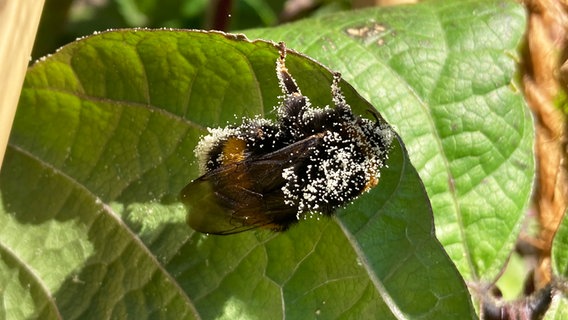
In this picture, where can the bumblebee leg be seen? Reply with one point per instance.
(338, 99)
(294, 103)
(286, 82)
(337, 95)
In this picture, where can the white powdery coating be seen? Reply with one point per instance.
(289, 175)
(339, 167)
(386, 135)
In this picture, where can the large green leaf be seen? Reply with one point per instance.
(101, 147)
(560, 250)
(102, 144)
(441, 73)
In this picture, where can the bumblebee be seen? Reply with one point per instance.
(271, 174)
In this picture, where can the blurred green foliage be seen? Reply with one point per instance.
(63, 21)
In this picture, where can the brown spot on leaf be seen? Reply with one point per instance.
(369, 33)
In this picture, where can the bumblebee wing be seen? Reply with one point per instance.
(208, 213)
(236, 198)
(244, 195)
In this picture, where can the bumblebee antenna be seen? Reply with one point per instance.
(285, 80)
(376, 114)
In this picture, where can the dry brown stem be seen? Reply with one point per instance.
(546, 44)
